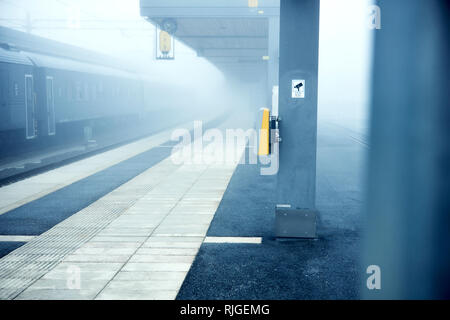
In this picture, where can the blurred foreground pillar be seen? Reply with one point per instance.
(408, 216)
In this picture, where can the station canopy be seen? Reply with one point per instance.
(232, 34)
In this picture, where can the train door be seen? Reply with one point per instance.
(50, 107)
(30, 107)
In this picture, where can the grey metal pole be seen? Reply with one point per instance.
(299, 43)
(299, 52)
(408, 209)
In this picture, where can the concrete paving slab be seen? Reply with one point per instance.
(169, 244)
(156, 266)
(66, 284)
(118, 239)
(100, 275)
(162, 258)
(57, 294)
(110, 245)
(118, 294)
(143, 285)
(96, 258)
(88, 266)
(151, 275)
(166, 251)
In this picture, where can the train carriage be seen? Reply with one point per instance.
(75, 92)
(55, 94)
(46, 98)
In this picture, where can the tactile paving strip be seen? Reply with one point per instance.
(22, 267)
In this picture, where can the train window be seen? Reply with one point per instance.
(69, 91)
(86, 91)
(100, 89)
(78, 91)
(94, 92)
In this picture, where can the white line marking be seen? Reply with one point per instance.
(232, 240)
(16, 238)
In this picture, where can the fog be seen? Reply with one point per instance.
(100, 84)
(192, 84)
(115, 28)
(344, 62)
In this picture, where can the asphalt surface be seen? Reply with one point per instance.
(246, 209)
(326, 268)
(7, 247)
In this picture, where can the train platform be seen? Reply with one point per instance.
(130, 223)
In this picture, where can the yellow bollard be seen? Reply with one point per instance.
(253, 3)
(264, 134)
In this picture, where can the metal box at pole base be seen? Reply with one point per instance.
(295, 223)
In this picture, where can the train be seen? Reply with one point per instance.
(46, 98)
